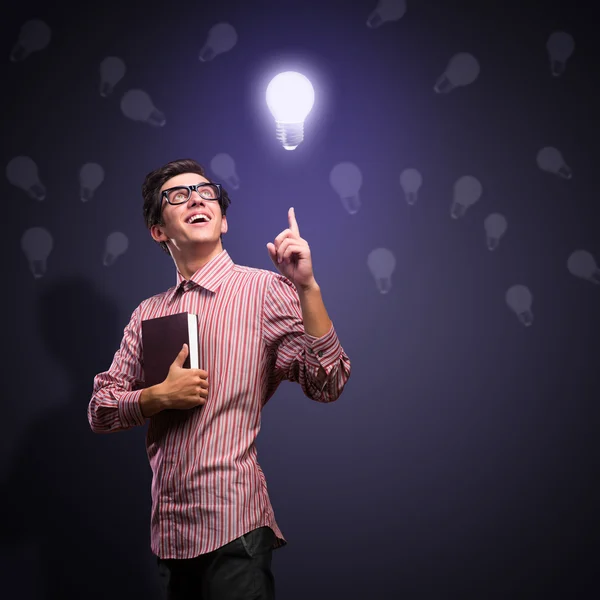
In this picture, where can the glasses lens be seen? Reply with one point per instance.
(209, 192)
(178, 195)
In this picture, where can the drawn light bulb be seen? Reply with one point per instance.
(467, 191)
(22, 172)
(411, 181)
(346, 180)
(462, 69)
(581, 263)
(381, 263)
(223, 166)
(138, 106)
(551, 160)
(560, 46)
(116, 244)
(34, 35)
(91, 175)
(290, 98)
(519, 299)
(37, 244)
(386, 10)
(221, 38)
(112, 70)
(495, 227)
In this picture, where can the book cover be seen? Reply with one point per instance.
(162, 340)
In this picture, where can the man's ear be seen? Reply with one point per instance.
(158, 235)
(224, 225)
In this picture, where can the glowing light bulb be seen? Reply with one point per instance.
(467, 191)
(385, 11)
(382, 263)
(560, 46)
(223, 166)
(116, 244)
(462, 69)
(290, 98)
(91, 175)
(34, 35)
(138, 106)
(582, 264)
(519, 299)
(112, 70)
(411, 181)
(495, 227)
(346, 180)
(37, 244)
(221, 38)
(550, 159)
(22, 172)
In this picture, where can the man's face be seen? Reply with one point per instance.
(177, 227)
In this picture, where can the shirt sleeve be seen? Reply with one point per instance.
(318, 364)
(115, 400)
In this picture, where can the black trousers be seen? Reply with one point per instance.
(240, 570)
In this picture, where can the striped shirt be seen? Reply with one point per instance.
(207, 486)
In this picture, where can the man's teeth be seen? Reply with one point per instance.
(196, 218)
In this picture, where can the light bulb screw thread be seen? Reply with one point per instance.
(290, 134)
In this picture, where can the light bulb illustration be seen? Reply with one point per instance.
(411, 181)
(290, 98)
(221, 38)
(116, 244)
(386, 10)
(112, 70)
(138, 106)
(582, 263)
(91, 175)
(560, 46)
(346, 180)
(34, 35)
(22, 172)
(462, 69)
(467, 191)
(495, 227)
(223, 166)
(519, 299)
(37, 243)
(381, 263)
(551, 160)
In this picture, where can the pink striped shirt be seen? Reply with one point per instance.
(207, 485)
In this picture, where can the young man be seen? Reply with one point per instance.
(212, 526)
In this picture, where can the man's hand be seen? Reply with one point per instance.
(291, 255)
(183, 388)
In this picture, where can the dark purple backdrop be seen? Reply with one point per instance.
(462, 459)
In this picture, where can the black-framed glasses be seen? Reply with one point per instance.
(182, 193)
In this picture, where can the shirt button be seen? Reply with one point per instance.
(320, 353)
(310, 350)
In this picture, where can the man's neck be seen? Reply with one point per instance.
(187, 266)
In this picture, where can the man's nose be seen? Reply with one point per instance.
(195, 197)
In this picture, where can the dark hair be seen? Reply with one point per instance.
(156, 179)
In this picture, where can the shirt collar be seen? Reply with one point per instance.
(210, 276)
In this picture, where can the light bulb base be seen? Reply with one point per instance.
(37, 191)
(290, 134)
(525, 317)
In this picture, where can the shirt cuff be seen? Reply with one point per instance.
(130, 411)
(323, 351)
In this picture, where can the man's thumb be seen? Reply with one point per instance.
(272, 252)
(180, 359)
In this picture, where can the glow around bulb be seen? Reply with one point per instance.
(290, 98)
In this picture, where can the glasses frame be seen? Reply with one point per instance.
(190, 189)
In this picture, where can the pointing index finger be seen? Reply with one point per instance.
(292, 221)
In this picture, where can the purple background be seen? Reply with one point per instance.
(462, 459)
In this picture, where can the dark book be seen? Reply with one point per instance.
(162, 340)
